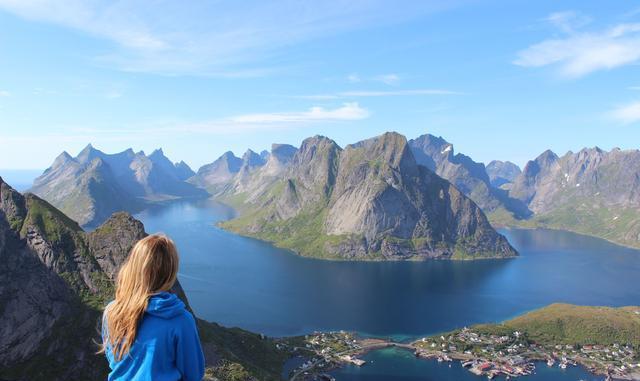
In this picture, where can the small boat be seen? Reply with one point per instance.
(550, 362)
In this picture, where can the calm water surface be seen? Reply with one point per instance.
(399, 365)
(243, 282)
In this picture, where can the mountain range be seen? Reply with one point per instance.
(370, 200)
(55, 280)
(93, 185)
(592, 192)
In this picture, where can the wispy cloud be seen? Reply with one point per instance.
(210, 38)
(348, 111)
(633, 87)
(353, 78)
(627, 114)
(234, 125)
(579, 53)
(113, 94)
(389, 79)
(568, 21)
(4, 94)
(382, 93)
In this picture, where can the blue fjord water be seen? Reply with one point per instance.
(239, 281)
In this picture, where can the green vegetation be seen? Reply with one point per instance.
(575, 325)
(242, 353)
(52, 222)
(302, 233)
(228, 371)
(617, 225)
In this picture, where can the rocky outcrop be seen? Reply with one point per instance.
(591, 191)
(220, 172)
(502, 173)
(110, 243)
(50, 286)
(468, 176)
(55, 280)
(93, 185)
(369, 201)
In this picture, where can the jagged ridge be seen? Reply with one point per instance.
(368, 201)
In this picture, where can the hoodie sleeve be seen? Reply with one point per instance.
(189, 356)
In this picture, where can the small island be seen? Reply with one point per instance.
(604, 340)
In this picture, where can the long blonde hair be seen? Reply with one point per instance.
(152, 267)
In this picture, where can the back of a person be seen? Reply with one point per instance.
(157, 336)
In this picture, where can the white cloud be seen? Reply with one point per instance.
(568, 21)
(4, 93)
(113, 94)
(397, 93)
(633, 87)
(580, 53)
(353, 78)
(389, 79)
(219, 38)
(374, 93)
(348, 111)
(629, 113)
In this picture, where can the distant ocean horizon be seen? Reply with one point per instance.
(20, 179)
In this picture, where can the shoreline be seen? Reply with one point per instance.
(521, 364)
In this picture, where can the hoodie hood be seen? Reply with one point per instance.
(165, 305)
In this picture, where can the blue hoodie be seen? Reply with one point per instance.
(166, 348)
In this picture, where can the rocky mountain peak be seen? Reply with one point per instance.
(88, 153)
(502, 172)
(282, 152)
(157, 153)
(314, 167)
(390, 149)
(251, 159)
(61, 160)
(546, 158)
(183, 170)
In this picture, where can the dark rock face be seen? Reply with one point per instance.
(55, 280)
(183, 171)
(93, 185)
(370, 201)
(220, 171)
(502, 172)
(49, 285)
(469, 177)
(250, 175)
(591, 191)
(550, 181)
(111, 243)
(33, 299)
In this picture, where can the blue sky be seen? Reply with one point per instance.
(499, 79)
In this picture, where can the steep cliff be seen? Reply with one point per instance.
(54, 282)
(368, 201)
(93, 185)
(592, 192)
(470, 177)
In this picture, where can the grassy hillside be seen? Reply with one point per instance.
(575, 325)
(617, 225)
(242, 353)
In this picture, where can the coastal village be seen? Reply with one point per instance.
(329, 350)
(513, 354)
(486, 354)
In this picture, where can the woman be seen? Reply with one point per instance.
(147, 333)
